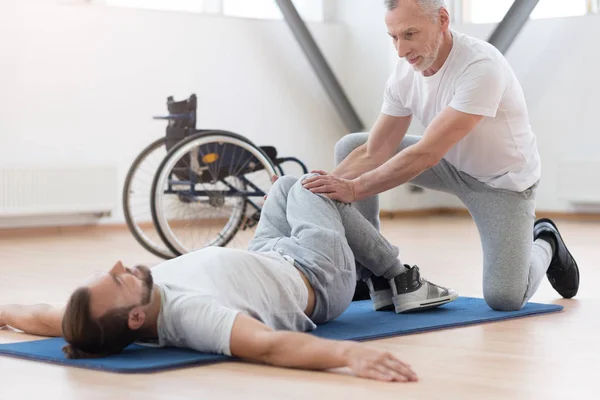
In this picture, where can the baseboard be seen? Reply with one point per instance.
(58, 230)
(462, 212)
(424, 212)
(384, 214)
(70, 229)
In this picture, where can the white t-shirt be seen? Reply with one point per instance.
(476, 78)
(203, 292)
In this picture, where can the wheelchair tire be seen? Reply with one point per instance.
(207, 171)
(143, 235)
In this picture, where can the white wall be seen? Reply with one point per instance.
(79, 84)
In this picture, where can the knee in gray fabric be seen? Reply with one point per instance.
(347, 144)
(499, 300)
(285, 183)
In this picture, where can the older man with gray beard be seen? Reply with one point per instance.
(478, 145)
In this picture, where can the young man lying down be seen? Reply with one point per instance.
(299, 271)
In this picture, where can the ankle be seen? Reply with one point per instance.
(550, 239)
(396, 269)
(408, 281)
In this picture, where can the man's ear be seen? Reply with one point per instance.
(136, 319)
(444, 19)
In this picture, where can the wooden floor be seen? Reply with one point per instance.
(542, 357)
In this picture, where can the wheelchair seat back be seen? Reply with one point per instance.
(182, 120)
(213, 161)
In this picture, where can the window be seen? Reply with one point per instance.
(266, 9)
(486, 11)
(196, 6)
(310, 10)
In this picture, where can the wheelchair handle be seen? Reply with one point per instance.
(174, 116)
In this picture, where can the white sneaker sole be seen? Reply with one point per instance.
(382, 300)
(425, 304)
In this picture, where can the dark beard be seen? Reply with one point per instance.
(146, 277)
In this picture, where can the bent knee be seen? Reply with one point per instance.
(347, 144)
(503, 300)
(285, 183)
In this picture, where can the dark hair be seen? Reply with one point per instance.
(88, 337)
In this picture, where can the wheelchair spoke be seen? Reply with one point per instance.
(204, 188)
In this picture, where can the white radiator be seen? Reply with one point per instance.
(31, 192)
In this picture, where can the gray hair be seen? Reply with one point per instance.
(429, 7)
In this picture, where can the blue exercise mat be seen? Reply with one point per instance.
(359, 322)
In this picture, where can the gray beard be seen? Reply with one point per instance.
(428, 61)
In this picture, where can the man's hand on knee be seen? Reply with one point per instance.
(335, 188)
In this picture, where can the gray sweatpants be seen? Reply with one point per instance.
(325, 238)
(513, 266)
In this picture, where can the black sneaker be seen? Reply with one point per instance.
(563, 272)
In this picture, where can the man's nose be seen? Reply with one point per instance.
(402, 48)
(118, 268)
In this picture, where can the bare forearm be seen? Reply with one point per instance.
(300, 350)
(400, 169)
(383, 141)
(39, 319)
(253, 340)
(357, 163)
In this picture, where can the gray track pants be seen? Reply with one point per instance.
(513, 266)
(325, 238)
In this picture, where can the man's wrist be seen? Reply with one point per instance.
(358, 188)
(345, 347)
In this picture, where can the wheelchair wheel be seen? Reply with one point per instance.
(205, 186)
(137, 192)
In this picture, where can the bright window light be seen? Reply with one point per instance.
(559, 8)
(266, 9)
(311, 10)
(171, 5)
(487, 11)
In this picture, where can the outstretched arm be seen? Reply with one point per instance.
(252, 340)
(38, 319)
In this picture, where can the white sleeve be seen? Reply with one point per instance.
(480, 88)
(392, 105)
(205, 325)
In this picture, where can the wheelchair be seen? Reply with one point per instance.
(195, 188)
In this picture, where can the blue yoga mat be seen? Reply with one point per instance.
(358, 323)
